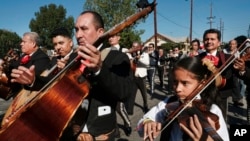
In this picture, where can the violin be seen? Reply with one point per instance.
(201, 110)
(197, 107)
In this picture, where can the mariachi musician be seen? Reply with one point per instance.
(110, 79)
(31, 55)
(141, 61)
(63, 46)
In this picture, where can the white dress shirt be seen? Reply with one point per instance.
(142, 65)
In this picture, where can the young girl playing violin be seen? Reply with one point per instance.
(189, 73)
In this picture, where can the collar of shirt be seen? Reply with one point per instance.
(69, 53)
(213, 54)
(117, 46)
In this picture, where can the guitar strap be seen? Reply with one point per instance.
(104, 53)
(222, 57)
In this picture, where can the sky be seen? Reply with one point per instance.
(172, 16)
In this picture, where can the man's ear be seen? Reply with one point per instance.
(100, 31)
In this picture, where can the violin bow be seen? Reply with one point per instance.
(200, 88)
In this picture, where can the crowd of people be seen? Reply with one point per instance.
(116, 73)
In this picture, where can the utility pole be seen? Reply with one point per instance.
(191, 21)
(248, 34)
(211, 16)
(221, 29)
(155, 26)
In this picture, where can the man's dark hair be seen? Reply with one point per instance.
(62, 31)
(152, 44)
(216, 31)
(98, 21)
(197, 41)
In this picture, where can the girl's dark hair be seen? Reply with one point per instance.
(194, 64)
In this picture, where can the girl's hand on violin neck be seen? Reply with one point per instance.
(151, 130)
(195, 129)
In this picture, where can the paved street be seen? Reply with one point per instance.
(236, 115)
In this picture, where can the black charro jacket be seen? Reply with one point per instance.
(114, 83)
(39, 59)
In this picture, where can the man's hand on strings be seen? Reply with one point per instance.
(90, 56)
(84, 137)
(239, 64)
(61, 63)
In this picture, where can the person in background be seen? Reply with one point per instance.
(161, 66)
(189, 73)
(195, 45)
(211, 39)
(236, 95)
(243, 70)
(172, 59)
(1, 64)
(153, 59)
(121, 110)
(63, 45)
(141, 60)
(33, 59)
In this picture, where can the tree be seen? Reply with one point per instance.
(48, 19)
(8, 40)
(115, 11)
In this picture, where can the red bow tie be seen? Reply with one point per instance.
(25, 59)
(214, 59)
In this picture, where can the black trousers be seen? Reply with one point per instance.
(141, 85)
(161, 71)
(151, 78)
(121, 110)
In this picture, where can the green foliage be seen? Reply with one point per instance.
(48, 19)
(114, 12)
(8, 40)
